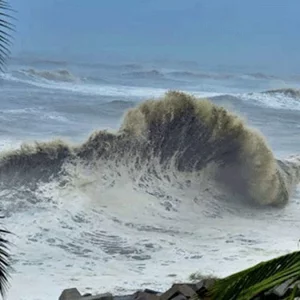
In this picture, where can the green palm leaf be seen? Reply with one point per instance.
(5, 28)
(4, 262)
(262, 277)
(5, 41)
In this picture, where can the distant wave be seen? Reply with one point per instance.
(188, 74)
(54, 75)
(177, 134)
(85, 87)
(49, 62)
(131, 66)
(34, 61)
(289, 92)
(193, 75)
(153, 74)
(260, 75)
(120, 104)
(31, 61)
(285, 98)
(115, 67)
(218, 76)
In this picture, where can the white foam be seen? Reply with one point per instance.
(61, 243)
(52, 235)
(277, 101)
(92, 89)
(40, 113)
(8, 143)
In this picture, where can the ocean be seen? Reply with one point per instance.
(106, 190)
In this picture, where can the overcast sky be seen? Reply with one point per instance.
(254, 32)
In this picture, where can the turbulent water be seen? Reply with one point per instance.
(118, 177)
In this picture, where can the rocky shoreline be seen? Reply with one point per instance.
(186, 291)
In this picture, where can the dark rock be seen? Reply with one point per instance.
(87, 294)
(178, 289)
(70, 294)
(196, 286)
(124, 297)
(106, 296)
(291, 287)
(295, 283)
(151, 291)
(280, 290)
(202, 286)
(145, 296)
(179, 297)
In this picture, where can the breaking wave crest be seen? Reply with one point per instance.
(176, 135)
(289, 92)
(53, 75)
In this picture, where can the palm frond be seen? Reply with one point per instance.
(5, 42)
(262, 277)
(4, 262)
(6, 27)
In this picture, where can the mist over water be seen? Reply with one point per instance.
(107, 177)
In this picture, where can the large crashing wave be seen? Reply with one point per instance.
(177, 133)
